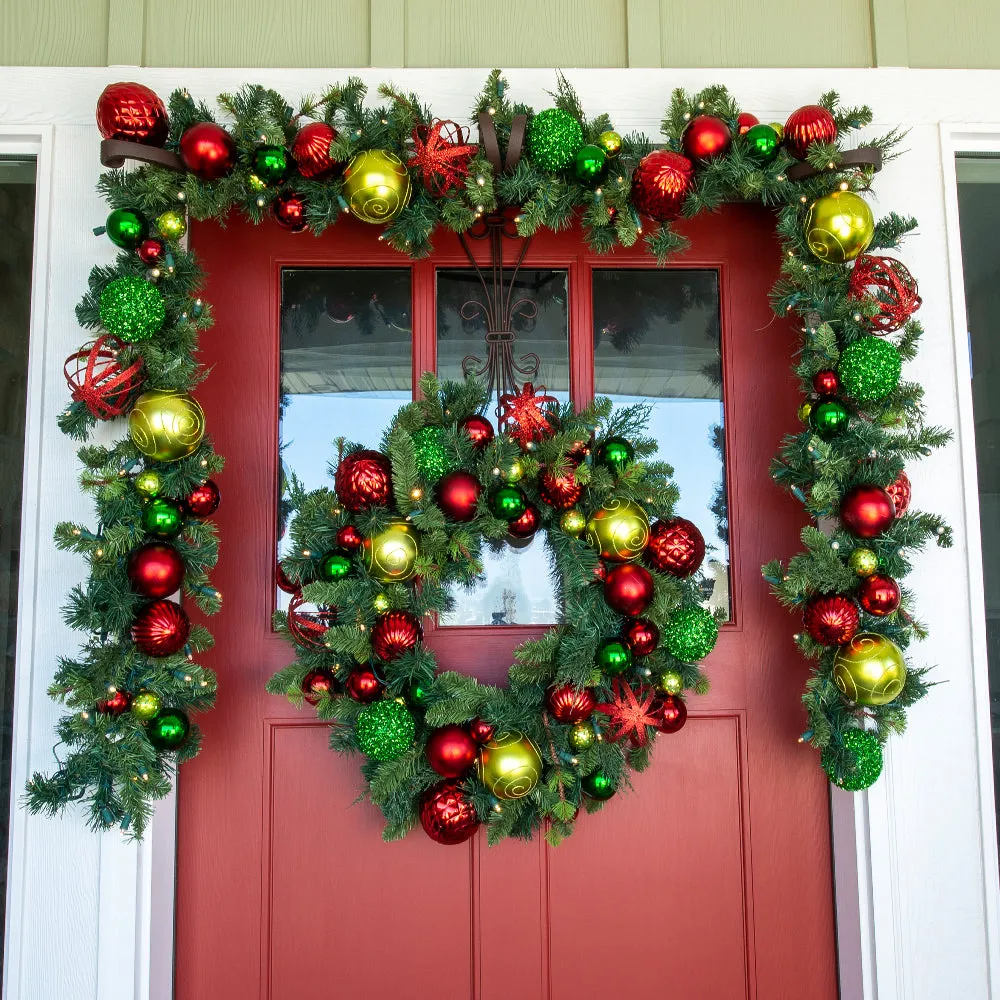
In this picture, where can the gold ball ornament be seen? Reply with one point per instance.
(870, 669)
(166, 425)
(381, 603)
(839, 227)
(864, 562)
(391, 555)
(610, 142)
(619, 530)
(145, 705)
(148, 484)
(780, 129)
(582, 736)
(509, 765)
(514, 472)
(376, 186)
(804, 410)
(171, 224)
(573, 522)
(670, 682)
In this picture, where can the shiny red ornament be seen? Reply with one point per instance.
(478, 430)
(311, 151)
(441, 153)
(675, 546)
(457, 495)
(806, 126)
(349, 538)
(866, 511)
(527, 524)
(208, 151)
(202, 501)
(600, 571)
(451, 751)
(642, 636)
(890, 285)
(283, 582)
(150, 251)
(309, 627)
(561, 492)
(746, 121)
(289, 211)
(118, 703)
(155, 570)
(579, 452)
(671, 713)
(570, 704)
(523, 416)
(317, 684)
(447, 813)
(660, 183)
(363, 479)
(629, 713)
(705, 138)
(97, 378)
(879, 594)
(132, 113)
(362, 685)
(900, 492)
(395, 633)
(826, 382)
(481, 730)
(161, 628)
(628, 589)
(831, 619)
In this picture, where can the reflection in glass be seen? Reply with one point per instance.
(657, 340)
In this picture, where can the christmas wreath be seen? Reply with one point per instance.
(130, 689)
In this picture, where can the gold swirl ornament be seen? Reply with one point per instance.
(376, 186)
(619, 531)
(166, 425)
(509, 765)
(870, 669)
(391, 555)
(839, 227)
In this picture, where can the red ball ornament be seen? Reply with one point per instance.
(831, 619)
(900, 491)
(671, 713)
(481, 730)
(570, 704)
(208, 151)
(879, 594)
(155, 570)
(447, 813)
(642, 636)
(362, 685)
(706, 137)
(150, 251)
(451, 751)
(746, 121)
(289, 211)
(866, 511)
(600, 571)
(478, 430)
(890, 285)
(97, 378)
(629, 589)
(132, 113)
(826, 382)
(311, 150)
(202, 501)
(660, 183)
(118, 703)
(363, 479)
(527, 524)
(676, 547)
(161, 628)
(561, 492)
(283, 582)
(395, 633)
(806, 126)
(317, 684)
(349, 538)
(309, 627)
(458, 495)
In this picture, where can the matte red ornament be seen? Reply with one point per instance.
(746, 121)
(879, 594)
(208, 151)
(362, 685)
(395, 633)
(826, 382)
(660, 183)
(481, 730)
(831, 619)
(309, 627)
(447, 813)
(524, 417)
(705, 138)
(97, 379)
(317, 684)
(363, 479)
(527, 524)
(642, 636)
(451, 751)
(890, 285)
(118, 703)
(478, 429)
(161, 628)
(900, 491)
(132, 113)
(441, 153)
(155, 570)
(457, 495)
(311, 151)
(671, 713)
(570, 704)
(866, 511)
(806, 126)
(289, 211)
(629, 589)
(202, 501)
(349, 538)
(675, 546)
(150, 251)
(561, 492)
(629, 712)
(283, 582)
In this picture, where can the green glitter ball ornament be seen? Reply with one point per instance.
(862, 750)
(763, 144)
(828, 417)
(590, 164)
(270, 164)
(335, 566)
(432, 462)
(869, 368)
(148, 484)
(690, 634)
(864, 562)
(385, 730)
(162, 518)
(598, 786)
(508, 503)
(171, 225)
(582, 736)
(126, 228)
(613, 656)
(132, 309)
(615, 453)
(554, 136)
(145, 705)
(169, 729)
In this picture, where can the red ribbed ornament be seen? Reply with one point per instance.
(570, 704)
(671, 713)
(362, 685)
(451, 751)
(660, 183)
(457, 495)
(155, 570)
(561, 492)
(97, 379)
(394, 633)
(879, 594)
(893, 289)
(318, 683)
(309, 627)
(363, 479)
(208, 151)
(311, 150)
(628, 589)
(161, 628)
(642, 636)
(132, 113)
(866, 511)
(831, 619)
(676, 547)
(447, 814)
(900, 492)
(806, 126)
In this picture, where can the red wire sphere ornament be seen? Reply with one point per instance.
(311, 150)
(97, 379)
(441, 153)
(309, 627)
(890, 285)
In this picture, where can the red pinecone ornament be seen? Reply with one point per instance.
(706, 137)
(570, 704)
(866, 511)
(395, 633)
(478, 429)
(671, 713)
(161, 628)
(527, 524)
(132, 113)
(642, 636)
(289, 211)
(155, 570)
(447, 814)
(451, 751)
(311, 150)
(676, 547)
(879, 594)
(890, 284)
(628, 589)
(362, 685)
(97, 379)
(660, 183)
(457, 495)
(318, 683)
(900, 492)
(441, 152)
(561, 492)
(831, 619)
(363, 479)
(208, 151)
(202, 501)
(308, 627)
(806, 126)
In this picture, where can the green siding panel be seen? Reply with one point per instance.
(963, 35)
(53, 32)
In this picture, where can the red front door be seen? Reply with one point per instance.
(712, 881)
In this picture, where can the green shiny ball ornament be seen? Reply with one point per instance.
(598, 786)
(148, 484)
(391, 555)
(839, 227)
(376, 186)
(416, 693)
(169, 729)
(828, 417)
(428, 448)
(863, 757)
(162, 518)
(869, 670)
(171, 225)
(381, 603)
(670, 682)
(508, 503)
(590, 164)
(385, 730)
(573, 522)
(132, 309)
(582, 736)
(166, 425)
(509, 765)
(690, 634)
(869, 369)
(611, 143)
(271, 164)
(554, 136)
(335, 566)
(614, 657)
(619, 531)
(763, 144)
(126, 228)
(146, 705)
(615, 454)
(864, 562)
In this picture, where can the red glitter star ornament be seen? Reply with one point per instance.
(524, 411)
(629, 714)
(441, 154)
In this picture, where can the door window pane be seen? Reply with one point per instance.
(657, 340)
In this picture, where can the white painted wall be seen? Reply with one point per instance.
(89, 916)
